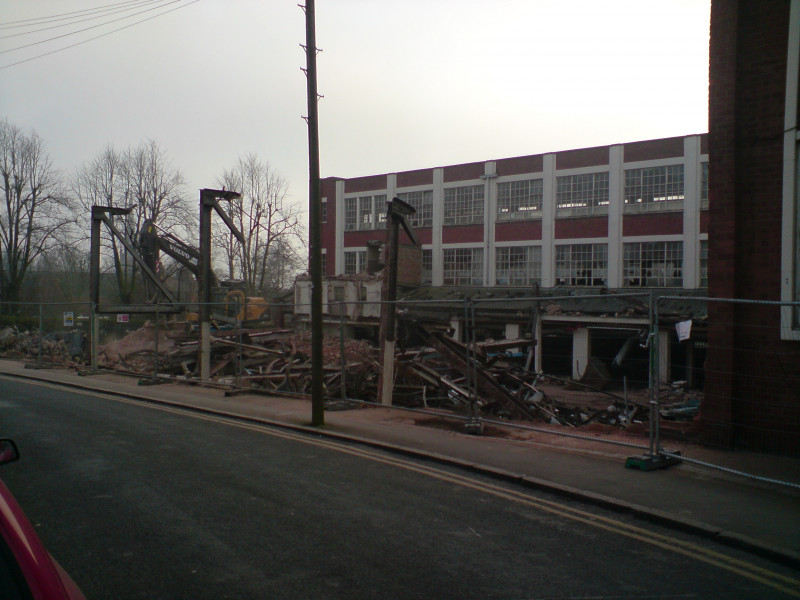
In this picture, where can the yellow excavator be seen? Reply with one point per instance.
(230, 302)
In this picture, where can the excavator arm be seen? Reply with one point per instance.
(153, 239)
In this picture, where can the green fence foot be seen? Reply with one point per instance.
(651, 462)
(473, 427)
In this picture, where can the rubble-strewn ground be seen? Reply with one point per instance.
(443, 374)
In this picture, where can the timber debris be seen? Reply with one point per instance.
(440, 373)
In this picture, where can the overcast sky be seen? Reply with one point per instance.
(407, 84)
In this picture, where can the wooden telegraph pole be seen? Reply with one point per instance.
(314, 214)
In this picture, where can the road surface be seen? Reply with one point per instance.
(140, 501)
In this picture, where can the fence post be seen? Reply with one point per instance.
(41, 335)
(655, 416)
(94, 327)
(473, 425)
(238, 372)
(342, 360)
(155, 364)
(473, 341)
(655, 458)
(465, 339)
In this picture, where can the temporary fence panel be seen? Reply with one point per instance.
(735, 386)
(46, 334)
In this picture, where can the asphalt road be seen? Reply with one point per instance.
(143, 502)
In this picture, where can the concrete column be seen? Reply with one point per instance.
(616, 209)
(489, 214)
(437, 271)
(513, 332)
(339, 251)
(457, 325)
(548, 219)
(691, 210)
(581, 351)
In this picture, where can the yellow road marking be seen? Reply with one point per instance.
(691, 550)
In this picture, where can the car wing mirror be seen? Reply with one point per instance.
(8, 451)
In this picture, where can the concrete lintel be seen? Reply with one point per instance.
(596, 320)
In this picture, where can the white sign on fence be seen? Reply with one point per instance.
(123, 318)
(69, 319)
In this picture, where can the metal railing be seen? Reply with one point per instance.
(688, 375)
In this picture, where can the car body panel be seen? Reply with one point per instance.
(44, 576)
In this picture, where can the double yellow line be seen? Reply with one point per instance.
(787, 585)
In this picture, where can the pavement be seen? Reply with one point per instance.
(759, 516)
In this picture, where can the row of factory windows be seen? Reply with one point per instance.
(645, 264)
(646, 189)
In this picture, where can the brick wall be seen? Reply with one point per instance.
(751, 375)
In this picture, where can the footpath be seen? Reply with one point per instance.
(760, 517)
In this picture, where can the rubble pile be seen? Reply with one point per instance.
(439, 373)
(447, 373)
(62, 348)
(136, 349)
(276, 360)
(679, 403)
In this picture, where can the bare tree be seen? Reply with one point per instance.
(60, 274)
(139, 178)
(283, 264)
(36, 210)
(270, 224)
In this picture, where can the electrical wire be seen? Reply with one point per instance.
(79, 20)
(52, 18)
(19, 62)
(58, 37)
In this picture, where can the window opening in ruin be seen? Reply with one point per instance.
(582, 265)
(518, 265)
(653, 264)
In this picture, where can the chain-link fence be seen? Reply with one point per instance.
(45, 334)
(746, 354)
(658, 373)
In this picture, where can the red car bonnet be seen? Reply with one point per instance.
(45, 578)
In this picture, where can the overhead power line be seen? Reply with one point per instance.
(58, 37)
(51, 18)
(75, 19)
(102, 35)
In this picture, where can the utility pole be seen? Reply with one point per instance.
(314, 212)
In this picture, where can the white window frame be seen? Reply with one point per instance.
(657, 200)
(470, 275)
(657, 275)
(573, 276)
(464, 205)
(364, 212)
(525, 202)
(351, 213)
(596, 204)
(359, 256)
(704, 175)
(429, 279)
(524, 274)
(702, 264)
(422, 201)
